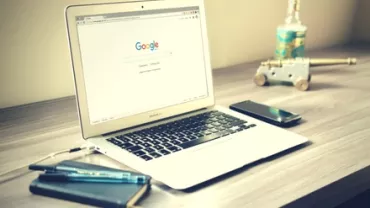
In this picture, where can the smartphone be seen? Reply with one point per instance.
(269, 114)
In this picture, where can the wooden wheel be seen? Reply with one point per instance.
(260, 79)
(302, 84)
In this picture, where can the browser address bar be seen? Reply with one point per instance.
(145, 17)
(117, 19)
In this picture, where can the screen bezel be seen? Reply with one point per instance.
(89, 130)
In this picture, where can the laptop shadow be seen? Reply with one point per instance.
(239, 170)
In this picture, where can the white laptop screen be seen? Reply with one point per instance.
(141, 61)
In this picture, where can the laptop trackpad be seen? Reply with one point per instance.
(203, 164)
(233, 151)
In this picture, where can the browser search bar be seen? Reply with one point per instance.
(148, 57)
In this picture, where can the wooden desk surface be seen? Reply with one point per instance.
(336, 116)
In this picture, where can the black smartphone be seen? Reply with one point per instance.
(269, 114)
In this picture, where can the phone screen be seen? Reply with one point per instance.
(265, 111)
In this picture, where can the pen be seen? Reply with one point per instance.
(75, 177)
(78, 170)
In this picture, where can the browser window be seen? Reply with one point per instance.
(141, 61)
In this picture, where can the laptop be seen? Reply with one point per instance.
(145, 96)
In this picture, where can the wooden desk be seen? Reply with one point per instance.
(336, 116)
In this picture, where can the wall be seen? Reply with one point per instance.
(34, 58)
(361, 28)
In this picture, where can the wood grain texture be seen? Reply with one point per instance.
(336, 114)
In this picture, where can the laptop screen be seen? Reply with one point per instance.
(138, 62)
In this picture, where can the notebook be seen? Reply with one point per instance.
(95, 194)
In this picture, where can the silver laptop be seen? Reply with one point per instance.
(145, 95)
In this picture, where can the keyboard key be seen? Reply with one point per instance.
(235, 128)
(222, 121)
(220, 128)
(134, 148)
(214, 119)
(164, 140)
(240, 129)
(146, 131)
(167, 145)
(129, 136)
(116, 142)
(200, 140)
(172, 137)
(229, 120)
(164, 152)
(135, 136)
(209, 126)
(216, 124)
(175, 142)
(120, 144)
(146, 145)
(217, 113)
(174, 149)
(142, 134)
(149, 150)
(154, 136)
(178, 134)
(246, 127)
(228, 125)
(183, 140)
(252, 125)
(149, 139)
(124, 139)
(231, 131)
(137, 142)
(193, 137)
(160, 135)
(139, 153)
(183, 134)
(214, 130)
(237, 123)
(155, 154)
(224, 133)
(166, 134)
(207, 132)
(199, 134)
(209, 121)
(126, 145)
(158, 147)
(111, 140)
(145, 140)
(187, 133)
(155, 142)
(146, 157)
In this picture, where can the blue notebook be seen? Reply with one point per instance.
(95, 194)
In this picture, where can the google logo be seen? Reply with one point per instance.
(150, 46)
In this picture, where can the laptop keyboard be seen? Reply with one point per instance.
(178, 135)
